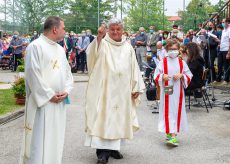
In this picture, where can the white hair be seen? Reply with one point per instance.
(115, 21)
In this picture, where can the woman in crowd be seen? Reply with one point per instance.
(196, 65)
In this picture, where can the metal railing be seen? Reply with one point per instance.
(224, 12)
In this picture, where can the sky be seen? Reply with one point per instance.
(172, 6)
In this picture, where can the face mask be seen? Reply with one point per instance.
(15, 36)
(142, 33)
(66, 36)
(165, 36)
(160, 35)
(35, 33)
(173, 53)
(224, 25)
(151, 31)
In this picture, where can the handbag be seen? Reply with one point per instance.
(151, 93)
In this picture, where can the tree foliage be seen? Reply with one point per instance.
(32, 13)
(197, 12)
(145, 13)
(84, 14)
(78, 14)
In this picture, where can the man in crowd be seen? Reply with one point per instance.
(132, 40)
(48, 84)
(67, 44)
(113, 92)
(83, 43)
(210, 51)
(35, 36)
(140, 42)
(89, 34)
(176, 34)
(17, 46)
(152, 39)
(224, 52)
(161, 53)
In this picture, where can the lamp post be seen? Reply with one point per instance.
(13, 16)
(163, 14)
(121, 9)
(5, 16)
(183, 5)
(142, 13)
(98, 13)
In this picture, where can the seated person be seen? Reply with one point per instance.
(151, 64)
(196, 65)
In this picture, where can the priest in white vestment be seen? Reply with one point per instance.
(48, 84)
(115, 83)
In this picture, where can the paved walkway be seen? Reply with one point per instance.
(207, 142)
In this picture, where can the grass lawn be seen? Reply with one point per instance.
(7, 101)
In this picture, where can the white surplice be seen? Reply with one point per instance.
(47, 72)
(110, 110)
(172, 112)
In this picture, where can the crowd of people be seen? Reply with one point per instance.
(209, 46)
(212, 43)
(12, 48)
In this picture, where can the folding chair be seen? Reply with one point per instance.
(201, 92)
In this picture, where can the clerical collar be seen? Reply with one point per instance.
(47, 39)
(110, 40)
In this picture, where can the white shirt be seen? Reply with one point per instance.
(224, 44)
(161, 53)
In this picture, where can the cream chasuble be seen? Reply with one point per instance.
(47, 73)
(110, 110)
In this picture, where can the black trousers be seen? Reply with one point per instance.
(210, 63)
(223, 63)
(78, 61)
(83, 63)
(16, 58)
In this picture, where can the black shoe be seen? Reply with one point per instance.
(102, 161)
(116, 154)
(102, 156)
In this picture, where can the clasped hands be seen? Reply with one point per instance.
(175, 77)
(59, 97)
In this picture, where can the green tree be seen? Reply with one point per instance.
(197, 11)
(145, 13)
(32, 13)
(84, 14)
